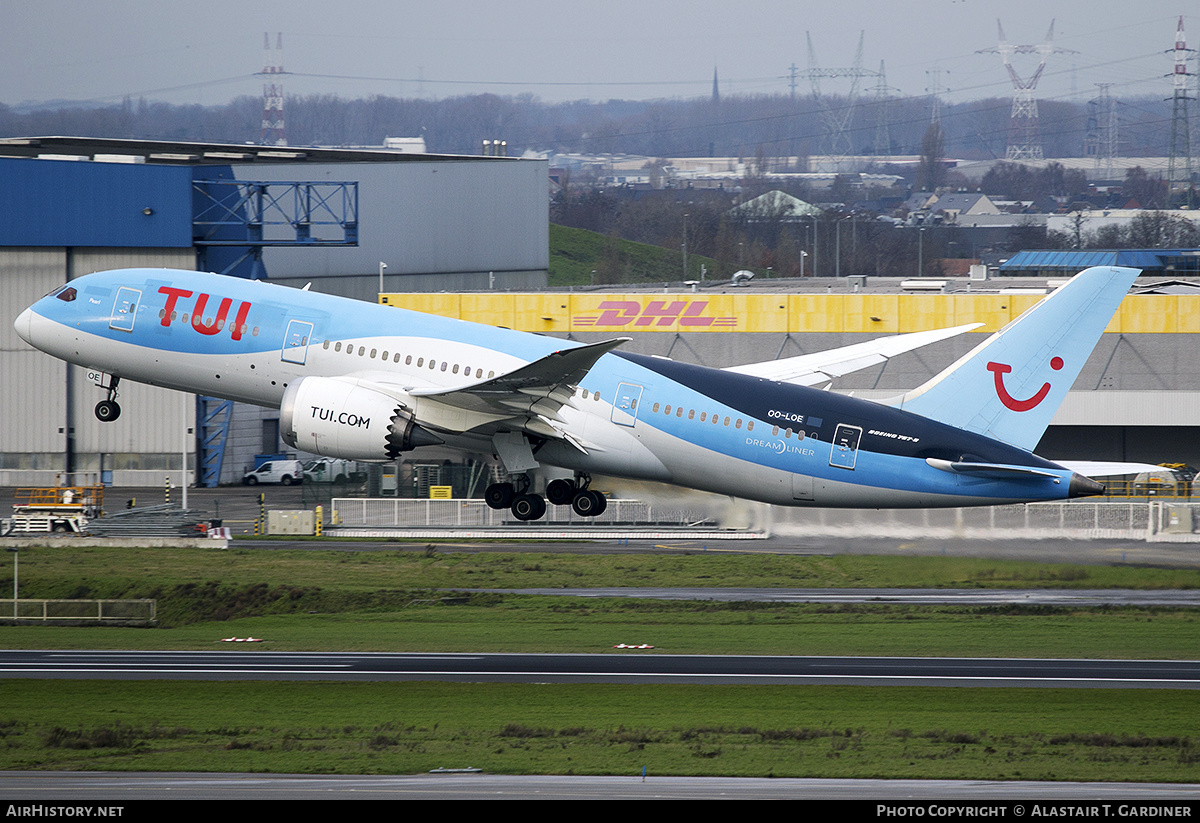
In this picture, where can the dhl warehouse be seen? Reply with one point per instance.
(467, 237)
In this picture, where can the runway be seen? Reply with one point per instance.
(72, 788)
(634, 667)
(1161, 598)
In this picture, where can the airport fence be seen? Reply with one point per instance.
(356, 512)
(32, 610)
(1155, 521)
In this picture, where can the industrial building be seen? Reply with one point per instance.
(342, 219)
(467, 237)
(1136, 399)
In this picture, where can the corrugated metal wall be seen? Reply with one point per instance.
(140, 446)
(32, 403)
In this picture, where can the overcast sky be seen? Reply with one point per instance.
(209, 52)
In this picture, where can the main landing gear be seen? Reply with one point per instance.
(109, 410)
(529, 506)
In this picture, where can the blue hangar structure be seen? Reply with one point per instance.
(343, 219)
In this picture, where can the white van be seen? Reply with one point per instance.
(284, 472)
(331, 470)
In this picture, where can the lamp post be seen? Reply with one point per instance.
(183, 453)
(382, 266)
(685, 268)
(816, 242)
(837, 254)
(920, 251)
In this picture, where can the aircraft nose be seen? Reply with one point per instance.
(24, 326)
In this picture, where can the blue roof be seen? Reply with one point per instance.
(1078, 260)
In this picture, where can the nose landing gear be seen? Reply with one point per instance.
(109, 410)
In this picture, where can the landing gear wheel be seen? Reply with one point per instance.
(560, 492)
(589, 504)
(499, 495)
(107, 411)
(528, 506)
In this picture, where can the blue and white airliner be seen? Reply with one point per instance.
(369, 382)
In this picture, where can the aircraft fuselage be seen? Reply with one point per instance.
(629, 416)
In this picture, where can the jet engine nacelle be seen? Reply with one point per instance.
(350, 419)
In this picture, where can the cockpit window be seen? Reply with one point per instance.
(67, 295)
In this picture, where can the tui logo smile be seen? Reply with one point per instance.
(999, 370)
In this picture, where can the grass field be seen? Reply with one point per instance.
(404, 728)
(340, 600)
(576, 253)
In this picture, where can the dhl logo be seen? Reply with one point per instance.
(210, 325)
(684, 313)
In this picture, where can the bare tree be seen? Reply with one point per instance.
(931, 170)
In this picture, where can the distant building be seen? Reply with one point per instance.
(1057, 263)
(774, 205)
(405, 145)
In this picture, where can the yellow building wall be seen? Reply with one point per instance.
(778, 313)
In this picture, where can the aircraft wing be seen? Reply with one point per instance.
(821, 367)
(1094, 468)
(529, 397)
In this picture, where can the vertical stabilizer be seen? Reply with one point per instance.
(1009, 386)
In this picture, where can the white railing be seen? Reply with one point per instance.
(1154, 520)
(358, 512)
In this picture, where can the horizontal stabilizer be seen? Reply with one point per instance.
(823, 366)
(994, 471)
(1078, 485)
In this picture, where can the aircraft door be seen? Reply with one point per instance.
(125, 309)
(624, 412)
(844, 452)
(295, 341)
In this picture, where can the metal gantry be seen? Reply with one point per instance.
(1024, 139)
(255, 213)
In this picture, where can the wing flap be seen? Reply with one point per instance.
(530, 397)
